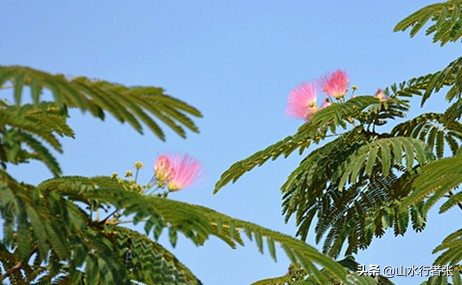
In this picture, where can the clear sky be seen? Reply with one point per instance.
(236, 61)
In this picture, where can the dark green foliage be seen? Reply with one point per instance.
(383, 153)
(352, 186)
(47, 236)
(356, 183)
(450, 248)
(147, 260)
(297, 276)
(338, 114)
(437, 180)
(53, 232)
(51, 229)
(435, 129)
(451, 278)
(445, 17)
(364, 181)
(194, 222)
(432, 83)
(67, 230)
(27, 131)
(134, 105)
(449, 76)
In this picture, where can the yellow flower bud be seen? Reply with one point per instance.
(139, 165)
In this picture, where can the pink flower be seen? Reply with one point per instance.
(163, 168)
(380, 95)
(335, 84)
(301, 102)
(186, 171)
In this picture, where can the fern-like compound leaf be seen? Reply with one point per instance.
(387, 152)
(195, 222)
(132, 105)
(445, 17)
(435, 181)
(329, 118)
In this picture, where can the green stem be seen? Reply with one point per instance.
(155, 189)
(108, 216)
(136, 174)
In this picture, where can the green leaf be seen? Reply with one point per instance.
(437, 178)
(388, 157)
(172, 236)
(124, 103)
(325, 119)
(445, 25)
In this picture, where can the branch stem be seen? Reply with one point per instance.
(12, 270)
(16, 267)
(108, 216)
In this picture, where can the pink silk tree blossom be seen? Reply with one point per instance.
(163, 168)
(380, 95)
(301, 102)
(186, 171)
(335, 84)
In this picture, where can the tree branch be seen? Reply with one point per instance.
(12, 270)
(17, 266)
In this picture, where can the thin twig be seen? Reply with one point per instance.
(108, 216)
(12, 270)
(17, 266)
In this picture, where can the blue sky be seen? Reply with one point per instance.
(236, 61)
